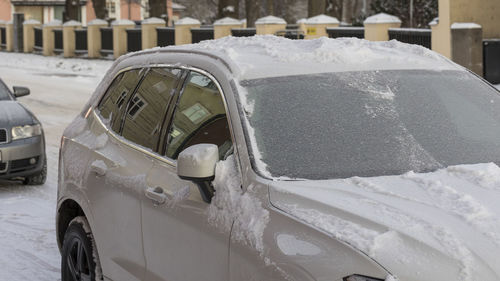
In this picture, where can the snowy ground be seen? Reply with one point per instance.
(498, 86)
(59, 89)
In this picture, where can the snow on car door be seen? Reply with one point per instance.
(117, 173)
(180, 243)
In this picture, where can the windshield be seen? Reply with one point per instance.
(373, 123)
(4, 92)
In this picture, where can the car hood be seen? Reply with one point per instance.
(442, 225)
(14, 114)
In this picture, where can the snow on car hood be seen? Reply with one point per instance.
(13, 114)
(442, 225)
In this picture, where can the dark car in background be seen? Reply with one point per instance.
(22, 142)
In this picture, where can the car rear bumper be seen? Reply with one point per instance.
(16, 156)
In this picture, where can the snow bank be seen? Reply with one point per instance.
(231, 204)
(271, 56)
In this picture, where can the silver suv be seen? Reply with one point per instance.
(269, 159)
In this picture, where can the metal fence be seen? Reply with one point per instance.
(243, 32)
(291, 33)
(38, 39)
(3, 41)
(58, 40)
(416, 36)
(200, 34)
(166, 36)
(80, 41)
(134, 40)
(491, 60)
(338, 32)
(106, 41)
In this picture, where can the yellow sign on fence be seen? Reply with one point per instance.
(311, 31)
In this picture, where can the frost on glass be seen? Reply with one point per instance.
(371, 123)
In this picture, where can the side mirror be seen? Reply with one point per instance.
(197, 164)
(20, 91)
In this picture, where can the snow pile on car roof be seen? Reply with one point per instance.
(264, 56)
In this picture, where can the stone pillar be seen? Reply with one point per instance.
(269, 25)
(69, 40)
(377, 26)
(9, 36)
(183, 30)
(149, 36)
(48, 36)
(316, 26)
(29, 35)
(467, 46)
(222, 27)
(94, 37)
(18, 19)
(302, 25)
(120, 36)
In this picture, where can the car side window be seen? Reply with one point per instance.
(115, 100)
(199, 117)
(147, 108)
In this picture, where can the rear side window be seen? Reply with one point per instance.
(200, 117)
(147, 108)
(115, 100)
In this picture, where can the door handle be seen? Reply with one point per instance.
(156, 194)
(99, 167)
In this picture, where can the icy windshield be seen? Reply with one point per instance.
(4, 92)
(372, 123)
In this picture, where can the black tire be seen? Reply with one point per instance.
(38, 178)
(79, 257)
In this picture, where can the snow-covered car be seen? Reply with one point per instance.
(22, 143)
(264, 158)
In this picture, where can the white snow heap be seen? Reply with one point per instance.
(232, 207)
(97, 22)
(271, 56)
(187, 21)
(382, 18)
(322, 19)
(153, 20)
(227, 21)
(122, 22)
(72, 23)
(30, 21)
(434, 22)
(54, 23)
(465, 25)
(270, 20)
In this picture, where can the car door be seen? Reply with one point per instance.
(122, 159)
(180, 244)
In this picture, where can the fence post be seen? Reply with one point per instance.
(316, 26)
(467, 46)
(2, 25)
(269, 25)
(302, 25)
(17, 20)
(377, 26)
(120, 36)
(48, 37)
(69, 41)
(183, 30)
(29, 34)
(94, 37)
(222, 27)
(149, 36)
(9, 36)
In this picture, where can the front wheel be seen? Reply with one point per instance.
(79, 257)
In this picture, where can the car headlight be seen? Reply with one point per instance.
(28, 131)
(356, 277)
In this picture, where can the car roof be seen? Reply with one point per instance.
(264, 56)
